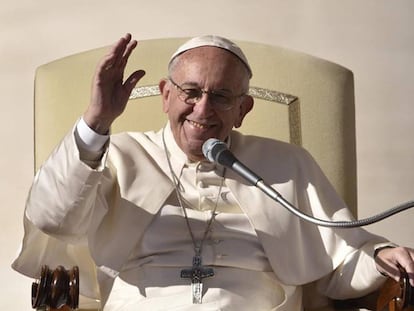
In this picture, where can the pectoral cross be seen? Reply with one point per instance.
(197, 273)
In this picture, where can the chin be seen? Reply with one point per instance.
(194, 151)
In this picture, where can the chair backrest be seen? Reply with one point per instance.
(298, 98)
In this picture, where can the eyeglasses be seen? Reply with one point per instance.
(191, 95)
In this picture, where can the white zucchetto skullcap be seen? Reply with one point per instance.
(212, 40)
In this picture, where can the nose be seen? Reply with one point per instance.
(204, 105)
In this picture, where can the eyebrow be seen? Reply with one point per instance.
(196, 85)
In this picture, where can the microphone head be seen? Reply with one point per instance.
(212, 147)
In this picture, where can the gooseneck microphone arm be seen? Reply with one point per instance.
(216, 151)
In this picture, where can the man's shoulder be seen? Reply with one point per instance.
(271, 158)
(137, 139)
(243, 142)
(137, 146)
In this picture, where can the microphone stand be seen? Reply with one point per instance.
(217, 151)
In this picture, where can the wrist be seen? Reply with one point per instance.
(88, 138)
(382, 246)
(377, 250)
(98, 125)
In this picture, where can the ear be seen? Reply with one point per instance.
(164, 87)
(245, 107)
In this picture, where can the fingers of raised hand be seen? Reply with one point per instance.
(116, 59)
(133, 80)
(127, 52)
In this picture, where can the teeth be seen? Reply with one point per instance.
(198, 125)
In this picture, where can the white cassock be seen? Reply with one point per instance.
(119, 220)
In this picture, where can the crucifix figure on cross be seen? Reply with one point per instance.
(197, 273)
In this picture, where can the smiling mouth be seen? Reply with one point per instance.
(199, 125)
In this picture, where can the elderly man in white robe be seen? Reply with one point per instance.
(153, 225)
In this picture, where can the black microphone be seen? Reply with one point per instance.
(217, 151)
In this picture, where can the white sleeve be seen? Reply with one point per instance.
(91, 145)
(357, 276)
(88, 139)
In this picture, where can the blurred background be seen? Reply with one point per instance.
(373, 38)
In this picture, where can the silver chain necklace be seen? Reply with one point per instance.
(197, 272)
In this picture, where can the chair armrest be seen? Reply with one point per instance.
(393, 296)
(368, 302)
(59, 290)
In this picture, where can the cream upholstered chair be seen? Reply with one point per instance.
(298, 98)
